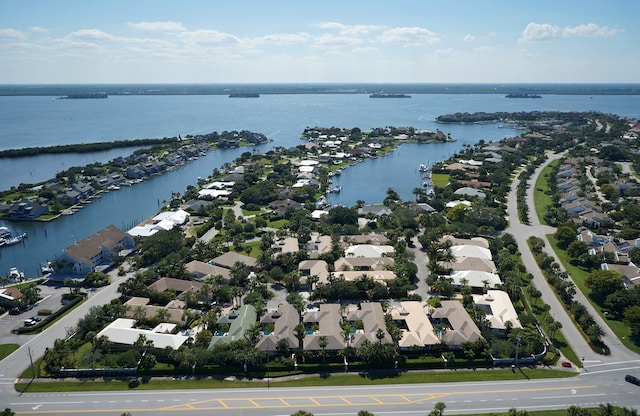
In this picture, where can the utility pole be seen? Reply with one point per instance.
(33, 372)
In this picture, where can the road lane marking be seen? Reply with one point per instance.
(316, 401)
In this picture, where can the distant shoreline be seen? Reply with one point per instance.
(57, 90)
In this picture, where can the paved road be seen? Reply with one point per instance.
(586, 390)
(521, 232)
(13, 365)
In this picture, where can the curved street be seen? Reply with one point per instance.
(620, 355)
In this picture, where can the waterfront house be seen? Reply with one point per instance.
(26, 210)
(377, 210)
(95, 253)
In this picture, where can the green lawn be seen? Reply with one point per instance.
(579, 276)
(541, 199)
(6, 349)
(301, 381)
(440, 180)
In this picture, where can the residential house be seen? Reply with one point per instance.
(367, 324)
(229, 259)
(417, 331)
(26, 210)
(309, 268)
(232, 327)
(10, 297)
(122, 332)
(453, 325)
(369, 250)
(498, 310)
(324, 321)
(94, 253)
(279, 325)
(363, 263)
(201, 271)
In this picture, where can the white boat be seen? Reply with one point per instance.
(16, 275)
(47, 269)
(424, 168)
(6, 239)
(15, 240)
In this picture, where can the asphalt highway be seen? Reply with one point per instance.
(602, 385)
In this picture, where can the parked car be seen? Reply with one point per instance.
(36, 318)
(566, 364)
(632, 379)
(15, 311)
(29, 322)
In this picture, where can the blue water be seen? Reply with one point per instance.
(41, 121)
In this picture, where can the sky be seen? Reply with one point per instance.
(319, 41)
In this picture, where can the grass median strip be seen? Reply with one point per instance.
(296, 381)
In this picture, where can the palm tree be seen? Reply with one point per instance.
(323, 341)
(139, 313)
(299, 332)
(162, 314)
(607, 409)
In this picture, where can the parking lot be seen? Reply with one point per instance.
(51, 297)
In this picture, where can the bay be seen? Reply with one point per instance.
(41, 121)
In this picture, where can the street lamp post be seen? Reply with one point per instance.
(517, 348)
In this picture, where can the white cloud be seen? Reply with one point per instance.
(11, 34)
(208, 37)
(90, 34)
(168, 26)
(350, 30)
(410, 36)
(327, 41)
(283, 38)
(590, 30)
(536, 32)
(469, 38)
(38, 29)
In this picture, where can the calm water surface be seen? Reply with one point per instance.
(41, 121)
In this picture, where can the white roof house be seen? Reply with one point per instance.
(214, 193)
(471, 251)
(469, 191)
(162, 222)
(498, 309)
(122, 331)
(368, 250)
(475, 278)
(309, 162)
(219, 185)
(455, 203)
